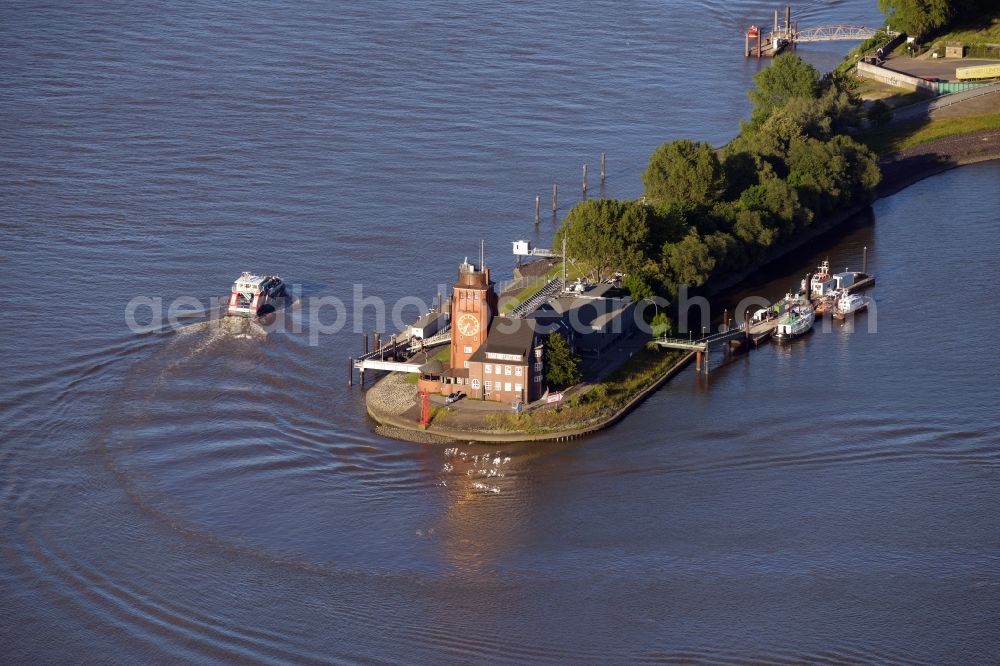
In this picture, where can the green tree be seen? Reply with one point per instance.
(684, 171)
(688, 261)
(917, 17)
(638, 287)
(562, 365)
(788, 76)
(606, 235)
(661, 325)
(878, 114)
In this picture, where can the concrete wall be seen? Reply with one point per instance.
(897, 79)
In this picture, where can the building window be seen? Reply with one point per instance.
(488, 368)
(466, 364)
(538, 378)
(538, 367)
(517, 387)
(476, 295)
(467, 350)
(475, 383)
(506, 386)
(517, 371)
(488, 386)
(506, 370)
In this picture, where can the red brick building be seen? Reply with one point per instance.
(492, 357)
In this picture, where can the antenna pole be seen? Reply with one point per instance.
(564, 261)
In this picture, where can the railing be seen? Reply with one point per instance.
(832, 33)
(536, 299)
(704, 343)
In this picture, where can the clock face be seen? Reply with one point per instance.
(468, 324)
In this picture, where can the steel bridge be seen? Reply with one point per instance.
(833, 33)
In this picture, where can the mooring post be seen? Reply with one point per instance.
(584, 181)
(375, 343)
(864, 261)
(538, 200)
(350, 372)
(697, 361)
(602, 167)
(555, 197)
(746, 44)
(366, 344)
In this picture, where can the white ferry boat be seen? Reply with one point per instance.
(848, 304)
(255, 295)
(796, 321)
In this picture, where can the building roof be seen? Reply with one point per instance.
(432, 367)
(507, 336)
(586, 308)
(427, 319)
(601, 321)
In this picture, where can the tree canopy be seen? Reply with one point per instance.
(606, 234)
(917, 17)
(787, 78)
(562, 365)
(706, 213)
(684, 171)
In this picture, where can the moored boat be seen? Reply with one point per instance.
(797, 321)
(255, 295)
(850, 303)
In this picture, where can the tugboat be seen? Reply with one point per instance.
(796, 321)
(849, 303)
(822, 283)
(255, 295)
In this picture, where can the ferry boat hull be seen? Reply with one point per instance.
(255, 295)
(849, 304)
(795, 324)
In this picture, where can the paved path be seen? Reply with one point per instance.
(965, 103)
(940, 68)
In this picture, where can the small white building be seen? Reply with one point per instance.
(428, 325)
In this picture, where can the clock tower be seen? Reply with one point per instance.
(473, 306)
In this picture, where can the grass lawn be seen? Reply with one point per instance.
(988, 32)
(898, 137)
(600, 402)
(891, 95)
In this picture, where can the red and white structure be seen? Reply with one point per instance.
(254, 295)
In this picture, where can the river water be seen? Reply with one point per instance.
(215, 493)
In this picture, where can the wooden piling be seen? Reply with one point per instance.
(350, 372)
(602, 168)
(366, 345)
(538, 200)
(584, 181)
(864, 261)
(375, 344)
(555, 197)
